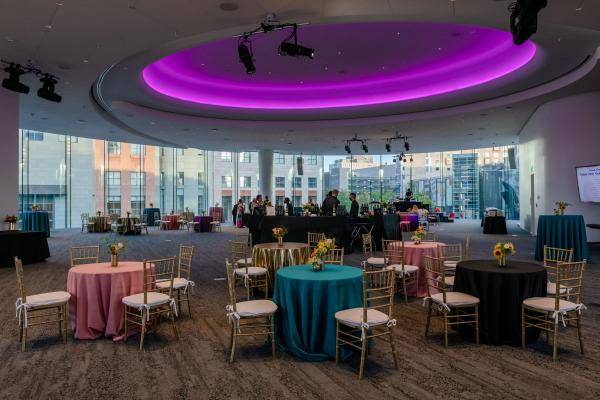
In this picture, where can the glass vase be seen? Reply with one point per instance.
(502, 261)
(280, 241)
(318, 264)
(114, 260)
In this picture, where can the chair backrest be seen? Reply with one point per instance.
(239, 251)
(162, 270)
(468, 248)
(378, 292)
(430, 237)
(231, 285)
(188, 216)
(569, 281)
(450, 251)
(186, 253)
(114, 217)
(367, 243)
(244, 238)
(334, 256)
(393, 252)
(435, 274)
(315, 238)
(156, 215)
(85, 217)
(84, 255)
(553, 255)
(20, 279)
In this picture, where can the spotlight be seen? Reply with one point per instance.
(246, 57)
(523, 18)
(12, 82)
(388, 147)
(347, 148)
(406, 145)
(411, 159)
(295, 50)
(364, 147)
(47, 89)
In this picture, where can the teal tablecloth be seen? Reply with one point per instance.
(307, 302)
(563, 231)
(36, 221)
(150, 213)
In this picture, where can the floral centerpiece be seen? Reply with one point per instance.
(561, 206)
(11, 220)
(308, 208)
(501, 250)
(99, 213)
(317, 255)
(418, 235)
(278, 233)
(151, 205)
(114, 249)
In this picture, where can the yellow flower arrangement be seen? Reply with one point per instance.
(279, 232)
(418, 235)
(320, 251)
(502, 250)
(561, 207)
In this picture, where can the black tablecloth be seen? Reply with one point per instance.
(501, 292)
(298, 228)
(31, 247)
(494, 225)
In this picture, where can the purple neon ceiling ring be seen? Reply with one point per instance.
(356, 64)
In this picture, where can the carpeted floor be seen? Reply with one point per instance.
(196, 366)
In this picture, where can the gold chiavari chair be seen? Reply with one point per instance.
(334, 256)
(377, 262)
(451, 254)
(183, 281)
(407, 275)
(85, 220)
(314, 239)
(154, 301)
(546, 313)
(143, 224)
(254, 277)
(354, 327)
(455, 308)
(248, 318)
(84, 255)
(553, 256)
(430, 237)
(44, 305)
(216, 222)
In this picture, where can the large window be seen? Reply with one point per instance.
(280, 181)
(137, 149)
(226, 157)
(245, 157)
(312, 182)
(278, 158)
(113, 178)
(113, 205)
(138, 179)
(310, 160)
(226, 181)
(114, 148)
(297, 182)
(245, 182)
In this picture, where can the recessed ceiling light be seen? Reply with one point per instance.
(186, 129)
(483, 114)
(339, 53)
(508, 107)
(214, 129)
(289, 142)
(9, 39)
(481, 128)
(152, 123)
(81, 121)
(85, 60)
(48, 26)
(227, 6)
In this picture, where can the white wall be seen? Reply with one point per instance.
(9, 152)
(560, 135)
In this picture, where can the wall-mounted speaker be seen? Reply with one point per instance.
(512, 161)
(300, 165)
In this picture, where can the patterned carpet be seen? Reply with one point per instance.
(196, 366)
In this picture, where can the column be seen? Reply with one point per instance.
(9, 152)
(265, 173)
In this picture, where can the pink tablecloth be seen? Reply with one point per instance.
(96, 307)
(414, 255)
(173, 221)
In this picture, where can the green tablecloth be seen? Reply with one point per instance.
(563, 231)
(307, 302)
(36, 221)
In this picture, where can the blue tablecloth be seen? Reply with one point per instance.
(150, 213)
(307, 302)
(563, 231)
(36, 221)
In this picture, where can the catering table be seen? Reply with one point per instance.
(307, 302)
(151, 212)
(36, 221)
(563, 231)
(173, 219)
(212, 211)
(129, 227)
(30, 247)
(203, 224)
(99, 224)
(412, 218)
(501, 292)
(414, 254)
(96, 307)
(298, 228)
(494, 225)
(273, 257)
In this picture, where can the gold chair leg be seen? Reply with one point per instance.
(233, 337)
(337, 342)
(24, 341)
(393, 346)
(144, 311)
(404, 288)
(248, 282)
(65, 322)
(579, 333)
(363, 356)
(428, 319)
(272, 318)
(477, 324)
(555, 342)
(445, 328)
(175, 333)
(189, 303)
(126, 330)
(59, 312)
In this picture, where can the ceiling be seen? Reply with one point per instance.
(102, 48)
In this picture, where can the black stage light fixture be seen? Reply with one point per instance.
(347, 148)
(246, 56)
(388, 147)
(12, 82)
(295, 50)
(406, 145)
(364, 147)
(523, 18)
(47, 90)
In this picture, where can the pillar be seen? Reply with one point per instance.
(265, 173)
(9, 152)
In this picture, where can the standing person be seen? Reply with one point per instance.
(353, 206)
(331, 203)
(258, 208)
(234, 212)
(288, 206)
(240, 214)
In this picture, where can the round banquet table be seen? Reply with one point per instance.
(36, 221)
(129, 227)
(95, 307)
(501, 292)
(203, 223)
(414, 254)
(99, 224)
(173, 219)
(273, 257)
(151, 213)
(563, 231)
(307, 302)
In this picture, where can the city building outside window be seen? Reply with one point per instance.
(278, 158)
(180, 178)
(297, 182)
(113, 148)
(137, 204)
(180, 200)
(113, 205)
(245, 157)
(245, 181)
(310, 160)
(297, 201)
(225, 156)
(279, 199)
(226, 181)
(280, 181)
(312, 183)
(35, 136)
(113, 178)
(138, 149)
(138, 179)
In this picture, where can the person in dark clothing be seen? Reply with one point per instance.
(330, 203)
(353, 206)
(288, 206)
(408, 195)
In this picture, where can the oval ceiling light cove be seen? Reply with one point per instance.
(211, 74)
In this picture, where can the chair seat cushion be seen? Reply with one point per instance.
(455, 299)
(547, 304)
(252, 271)
(215, 222)
(408, 269)
(47, 299)
(178, 283)
(375, 261)
(449, 280)
(154, 299)
(552, 288)
(354, 317)
(255, 308)
(244, 261)
(450, 264)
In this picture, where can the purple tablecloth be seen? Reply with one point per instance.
(413, 218)
(204, 223)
